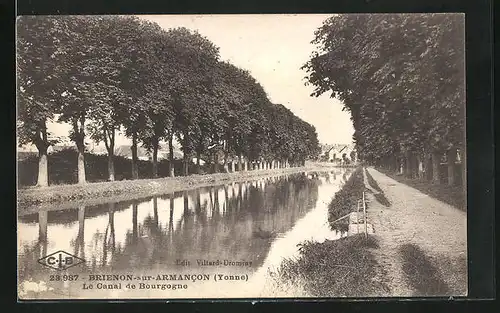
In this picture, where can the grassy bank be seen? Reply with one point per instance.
(345, 200)
(336, 268)
(452, 195)
(67, 196)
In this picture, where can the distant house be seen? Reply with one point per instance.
(341, 154)
(126, 151)
(58, 148)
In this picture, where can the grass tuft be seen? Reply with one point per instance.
(336, 268)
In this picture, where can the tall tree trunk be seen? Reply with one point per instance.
(109, 141)
(226, 156)
(435, 167)
(186, 154)
(216, 162)
(451, 158)
(417, 165)
(43, 166)
(42, 144)
(198, 166)
(428, 166)
(408, 167)
(135, 169)
(111, 167)
(414, 165)
(199, 150)
(185, 167)
(155, 157)
(79, 139)
(171, 171)
(81, 165)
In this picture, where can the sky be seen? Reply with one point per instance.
(272, 48)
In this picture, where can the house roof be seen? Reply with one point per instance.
(126, 150)
(340, 147)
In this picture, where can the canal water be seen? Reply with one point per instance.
(224, 241)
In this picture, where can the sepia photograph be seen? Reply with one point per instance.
(248, 156)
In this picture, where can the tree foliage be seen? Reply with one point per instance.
(103, 74)
(401, 76)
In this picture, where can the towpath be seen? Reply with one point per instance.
(422, 241)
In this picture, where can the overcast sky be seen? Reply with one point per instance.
(272, 48)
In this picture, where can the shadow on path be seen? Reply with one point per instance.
(421, 274)
(380, 196)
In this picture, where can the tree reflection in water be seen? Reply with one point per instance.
(215, 223)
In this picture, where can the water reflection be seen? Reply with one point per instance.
(213, 223)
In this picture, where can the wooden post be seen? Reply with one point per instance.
(357, 216)
(364, 214)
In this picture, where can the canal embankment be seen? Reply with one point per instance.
(419, 247)
(344, 267)
(345, 201)
(58, 197)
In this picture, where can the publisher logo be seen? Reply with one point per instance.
(60, 260)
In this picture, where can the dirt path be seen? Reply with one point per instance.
(422, 241)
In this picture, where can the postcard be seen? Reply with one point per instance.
(249, 156)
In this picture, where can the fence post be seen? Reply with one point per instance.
(364, 215)
(357, 216)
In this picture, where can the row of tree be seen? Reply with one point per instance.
(401, 76)
(103, 74)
